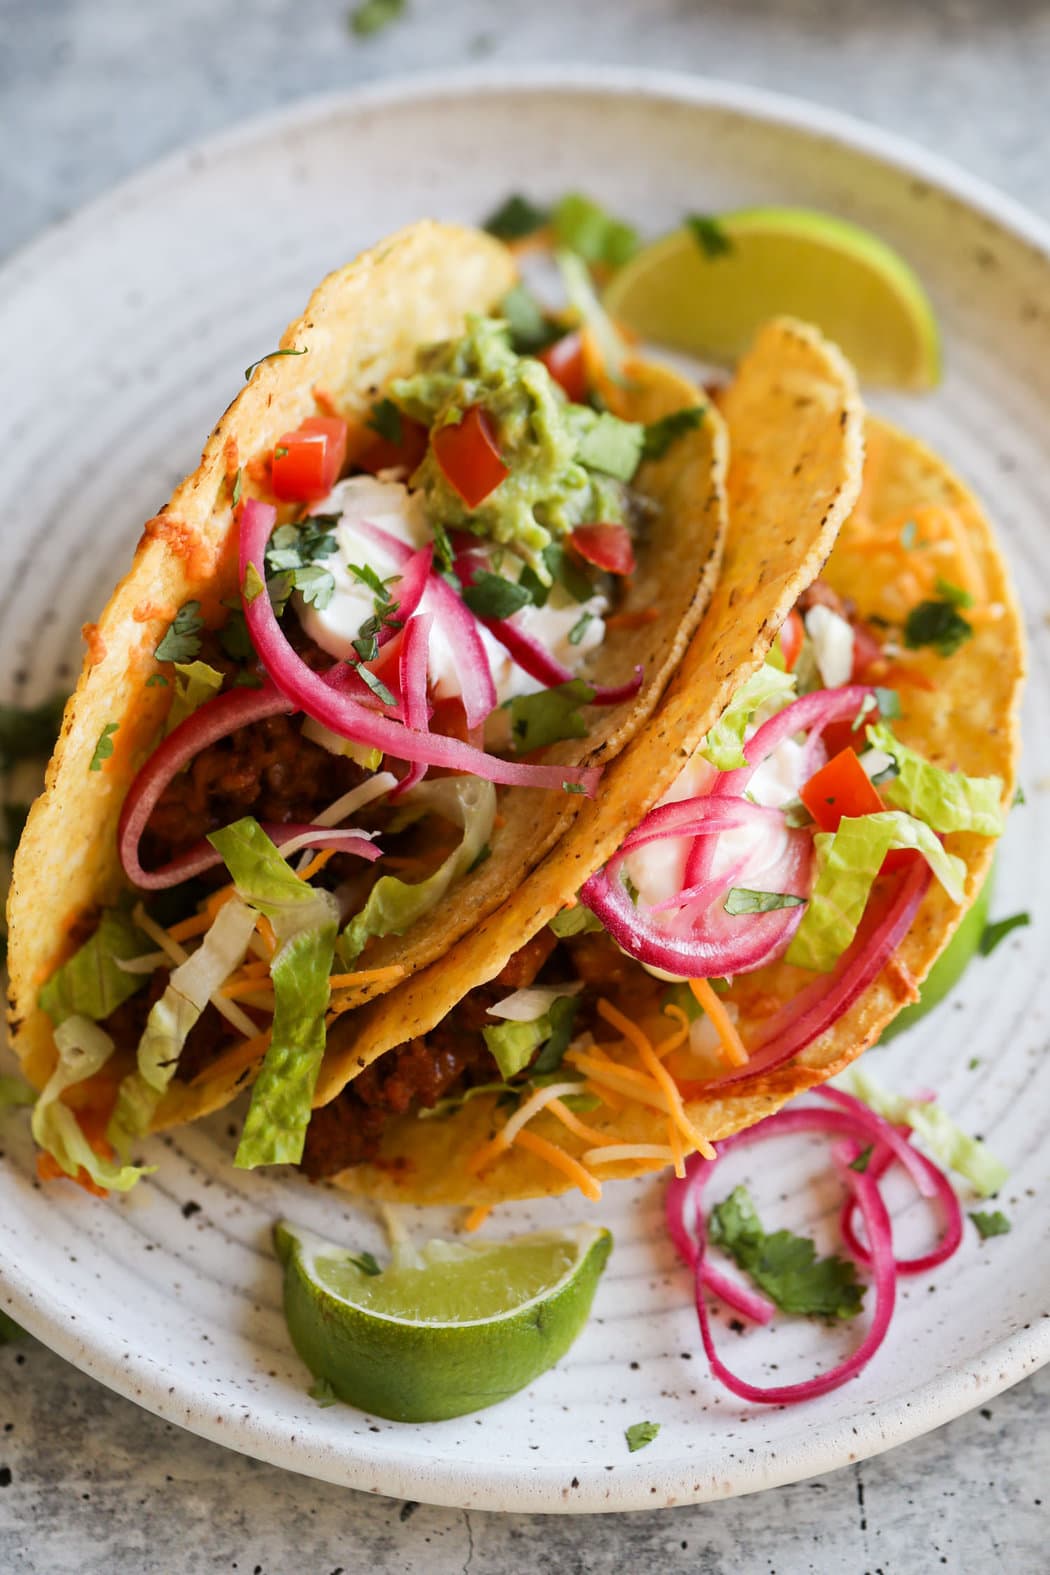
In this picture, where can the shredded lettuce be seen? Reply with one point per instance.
(591, 312)
(393, 905)
(83, 1049)
(948, 1143)
(195, 682)
(766, 690)
(190, 987)
(945, 800)
(513, 1045)
(90, 984)
(848, 861)
(305, 922)
(574, 921)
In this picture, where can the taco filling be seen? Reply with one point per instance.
(417, 630)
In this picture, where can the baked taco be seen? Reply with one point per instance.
(413, 549)
(806, 864)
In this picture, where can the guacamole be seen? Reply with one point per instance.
(559, 454)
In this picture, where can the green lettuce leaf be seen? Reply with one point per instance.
(393, 905)
(946, 1141)
(767, 690)
(195, 682)
(189, 988)
(305, 922)
(83, 1049)
(848, 861)
(945, 800)
(512, 1045)
(90, 984)
(574, 921)
(549, 716)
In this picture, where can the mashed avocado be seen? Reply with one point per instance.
(543, 438)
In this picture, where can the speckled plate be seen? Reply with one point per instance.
(124, 333)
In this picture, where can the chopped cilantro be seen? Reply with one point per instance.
(709, 235)
(576, 920)
(296, 549)
(372, 16)
(377, 686)
(659, 435)
(104, 747)
(562, 1015)
(29, 732)
(639, 1434)
(994, 933)
(572, 787)
(953, 593)
(515, 218)
(937, 624)
(280, 452)
(741, 900)
(491, 596)
(562, 571)
(579, 628)
(1018, 796)
(368, 576)
(156, 681)
(530, 330)
(182, 642)
(271, 357)
(238, 482)
(863, 1159)
(366, 1262)
(584, 227)
(483, 853)
(234, 637)
(443, 550)
(385, 420)
(323, 1393)
(994, 1223)
(785, 1266)
(547, 717)
(253, 583)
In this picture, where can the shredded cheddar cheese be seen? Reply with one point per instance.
(731, 1042)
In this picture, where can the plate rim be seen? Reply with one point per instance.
(660, 1483)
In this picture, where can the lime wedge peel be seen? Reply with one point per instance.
(448, 1330)
(709, 301)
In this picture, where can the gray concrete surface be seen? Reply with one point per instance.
(91, 90)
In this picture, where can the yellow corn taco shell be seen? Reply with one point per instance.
(967, 719)
(361, 328)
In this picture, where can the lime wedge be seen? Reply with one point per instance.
(706, 289)
(448, 1329)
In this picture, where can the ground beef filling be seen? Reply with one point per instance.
(453, 1057)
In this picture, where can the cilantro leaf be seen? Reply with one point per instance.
(377, 686)
(952, 593)
(639, 1434)
(238, 483)
(29, 732)
(366, 1262)
(579, 628)
(994, 1223)
(741, 900)
(253, 583)
(530, 330)
(584, 227)
(273, 354)
(937, 624)
(385, 420)
(659, 435)
(863, 1159)
(562, 1016)
(994, 933)
(104, 747)
(785, 1266)
(491, 596)
(709, 235)
(295, 550)
(548, 717)
(182, 641)
(577, 920)
(515, 218)
(562, 570)
(234, 637)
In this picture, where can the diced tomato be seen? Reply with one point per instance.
(792, 632)
(307, 462)
(383, 454)
(608, 547)
(565, 362)
(469, 457)
(841, 788)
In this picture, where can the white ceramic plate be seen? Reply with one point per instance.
(124, 333)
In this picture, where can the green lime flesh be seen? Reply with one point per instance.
(453, 1329)
(950, 965)
(778, 261)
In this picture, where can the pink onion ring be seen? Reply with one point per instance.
(412, 671)
(532, 656)
(810, 714)
(309, 692)
(937, 1184)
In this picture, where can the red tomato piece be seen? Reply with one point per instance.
(840, 789)
(792, 633)
(469, 458)
(608, 547)
(307, 462)
(565, 362)
(382, 454)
